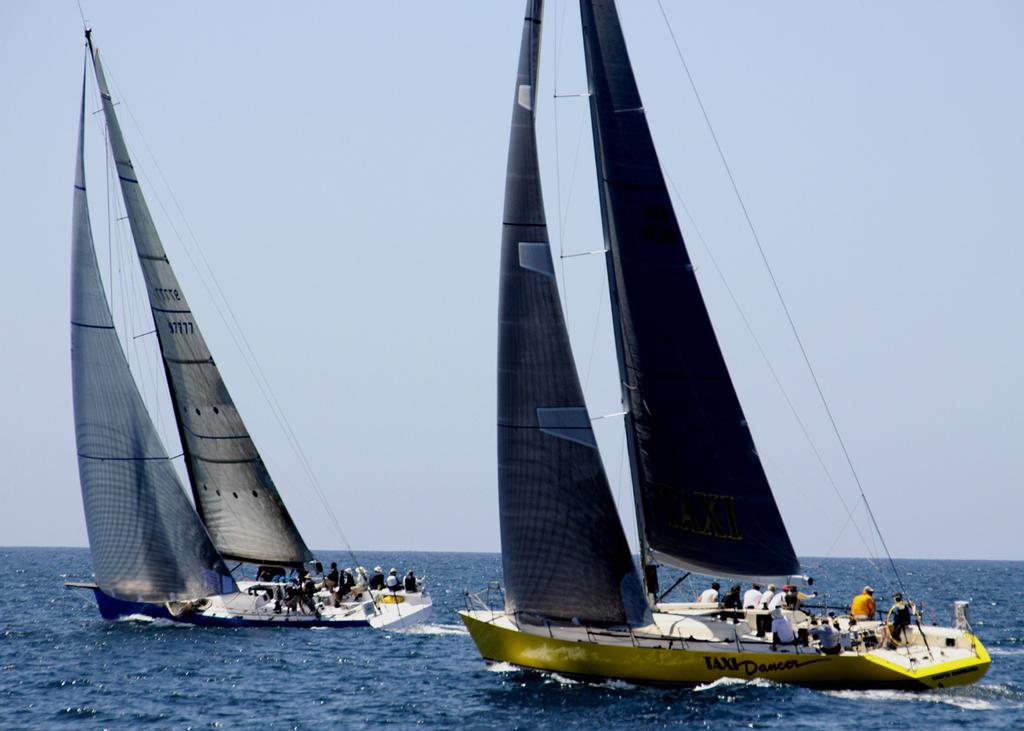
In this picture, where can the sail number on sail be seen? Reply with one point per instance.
(162, 293)
(659, 225)
(703, 513)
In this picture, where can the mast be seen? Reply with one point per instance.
(704, 502)
(564, 553)
(146, 541)
(233, 491)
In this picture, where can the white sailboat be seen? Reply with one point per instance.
(153, 552)
(573, 601)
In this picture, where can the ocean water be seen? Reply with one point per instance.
(62, 666)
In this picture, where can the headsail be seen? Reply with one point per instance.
(147, 542)
(703, 500)
(563, 549)
(234, 493)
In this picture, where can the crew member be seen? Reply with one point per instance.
(782, 629)
(710, 596)
(377, 579)
(752, 597)
(863, 606)
(827, 636)
(410, 582)
(332, 578)
(900, 618)
(392, 581)
(732, 598)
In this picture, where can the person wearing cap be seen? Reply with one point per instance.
(392, 581)
(710, 596)
(863, 606)
(782, 629)
(377, 579)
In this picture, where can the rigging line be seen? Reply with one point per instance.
(559, 46)
(593, 338)
(112, 206)
(572, 179)
(558, 172)
(618, 493)
(261, 380)
(764, 356)
(778, 292)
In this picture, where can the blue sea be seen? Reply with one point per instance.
(63, 667)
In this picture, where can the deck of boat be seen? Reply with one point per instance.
(682, 650)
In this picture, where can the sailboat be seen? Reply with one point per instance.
(154, 554)
(573, 600)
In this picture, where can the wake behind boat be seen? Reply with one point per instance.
(573, 602)
(153, 553)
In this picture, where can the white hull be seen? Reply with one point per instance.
(257, 605)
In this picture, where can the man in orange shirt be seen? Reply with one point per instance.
(863, 606)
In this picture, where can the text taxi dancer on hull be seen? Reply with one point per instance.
(573, 601)
(153, 554)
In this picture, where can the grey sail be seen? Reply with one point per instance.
(703, 500)
(234, 493)
(147, 542)
(564, 553)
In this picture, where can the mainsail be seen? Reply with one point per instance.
(703, 500)
(234, 493)
(564, 552)
(147, 542)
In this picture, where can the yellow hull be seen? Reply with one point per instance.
(655, 665)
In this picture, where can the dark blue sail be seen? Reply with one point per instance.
(564, 552)
(703, 500)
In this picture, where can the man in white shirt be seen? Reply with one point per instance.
(710, 596)
(782, 629)
(766, 597)
(777, 600)
(752, 597)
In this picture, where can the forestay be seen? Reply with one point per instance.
(234, 493)
(704, 502)
(147, 542)
(564, 553)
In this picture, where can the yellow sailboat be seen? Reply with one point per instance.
(573, 602)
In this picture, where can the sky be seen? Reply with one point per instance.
(340, 168)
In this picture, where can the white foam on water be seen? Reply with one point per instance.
(137, 618)
(154, 621)
(720, 683)
(435, 629)
(562, 680)
(1005, 650)
(618, 685)
(502, 667)
(965, 702)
